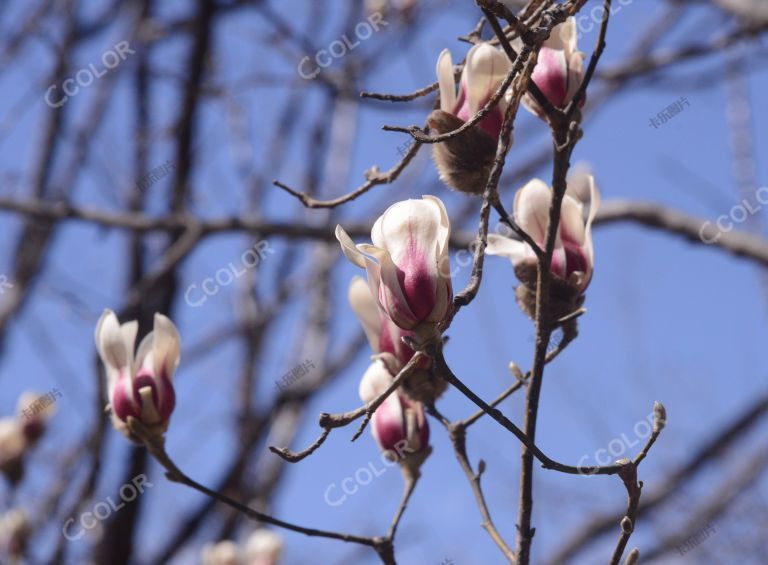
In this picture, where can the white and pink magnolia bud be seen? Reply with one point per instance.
(139, 387)
(399, 424)
(464, 161)
(263, 548)
(407, 265)
(573, 256)
(484, 70)
(559, 69)
(221, 553)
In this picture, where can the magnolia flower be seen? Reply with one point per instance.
(464, 161)
(484, 70)
(263, 547)
(20, 433)
(407, 265)
(139, 387)
(398, 425)
(573, 257)
(221, 553)
(559, 69)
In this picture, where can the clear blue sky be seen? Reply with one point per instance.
(666, 320)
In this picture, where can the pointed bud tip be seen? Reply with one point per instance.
(659, 417)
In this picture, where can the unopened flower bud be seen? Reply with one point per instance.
(263, 548)
(407, 265)
(659, 417)
(559, 69)
(221, 553)
(464, 161)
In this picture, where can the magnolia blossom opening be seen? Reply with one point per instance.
(573, 257)
(139, 387)
(407, 265)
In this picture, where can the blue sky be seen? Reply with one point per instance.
(667, 320)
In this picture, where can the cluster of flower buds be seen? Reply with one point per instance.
(573, 256)
(139, 387)
(559, 69)
(18, 434)
(263, 547)
(399, 425)
(464, 161)
(408, 295)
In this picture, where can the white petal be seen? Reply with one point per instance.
(594, 205)
(115, 345)
(166, 346)
(572, 219)
(384, 281)
(569, 35)
(515, 251)
(265, 545)
(366, 307)
(484, 71)
(349, 248)
(532, 203)
(411, 225)
(375, 380)
(575, 75)
(444, 227)
(446, 81)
